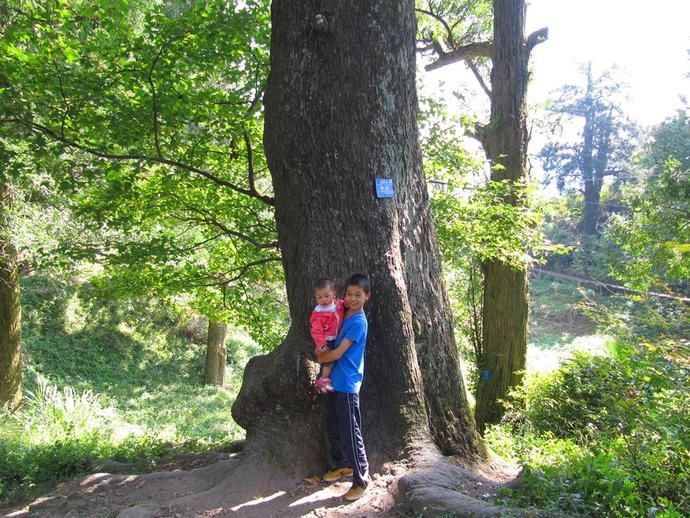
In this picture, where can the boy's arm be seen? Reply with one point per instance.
(336, 353)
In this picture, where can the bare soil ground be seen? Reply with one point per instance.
(221, 484)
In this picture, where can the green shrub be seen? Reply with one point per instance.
(577, 399)
(605, 436)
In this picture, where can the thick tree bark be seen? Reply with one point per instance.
(505, 287)
(216, 354)
(341, 110)
(10, 312)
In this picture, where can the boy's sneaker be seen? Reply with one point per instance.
(336, 474)
(324, 385)
(355, 492)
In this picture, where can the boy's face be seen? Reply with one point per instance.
(324, 296)
(355, 297)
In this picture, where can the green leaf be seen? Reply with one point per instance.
(19, 54)
(683, 248)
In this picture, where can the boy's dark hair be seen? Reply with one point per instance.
(324, 283)
(361, 280)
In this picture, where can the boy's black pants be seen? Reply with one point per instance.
(344, 429)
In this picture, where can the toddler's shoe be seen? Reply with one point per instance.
(327, 385)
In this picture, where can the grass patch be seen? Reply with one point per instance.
(560, 324)
(107, 379)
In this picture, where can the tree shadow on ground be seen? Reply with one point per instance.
(75, 335)
(161, 494)
(426, 484)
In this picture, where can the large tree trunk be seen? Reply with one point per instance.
(10, 312)
(505, 287)
(216, 354)
(341, 110)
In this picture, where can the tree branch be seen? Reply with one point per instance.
(196, 246)
(479, 134)
(64, 100)
(247, 266)
(243, 270)
(463, 53)
(438, 18)
(250, 161)
(154, 101)
(258, 91)
(478, 76)
(136, 157)
(208, 219)
(537, 37)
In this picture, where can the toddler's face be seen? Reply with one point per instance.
(325, 296)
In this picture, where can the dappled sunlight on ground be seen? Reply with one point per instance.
(546, 359)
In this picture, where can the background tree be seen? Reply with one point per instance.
(504, 140)
(472, 222)
(602, 147)
(156, 145)
(10, 306)
(451, 171)
(654, 237)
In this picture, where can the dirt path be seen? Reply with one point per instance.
(426, 485)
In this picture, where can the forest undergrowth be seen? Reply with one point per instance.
(111, 379)
(608, 432)
(601, 428)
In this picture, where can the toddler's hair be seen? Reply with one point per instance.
(361, 280)
(324, 283)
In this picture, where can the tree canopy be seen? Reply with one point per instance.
(154, 112)
(654, 236)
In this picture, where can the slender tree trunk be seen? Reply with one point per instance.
(597, 168)
(216, 354)
(590, 212)
(505, 287)
(341, 110)
(10, 312)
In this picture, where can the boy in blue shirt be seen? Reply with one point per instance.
(343, 419)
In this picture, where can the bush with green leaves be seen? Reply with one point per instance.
(605, 435)
(575, 400)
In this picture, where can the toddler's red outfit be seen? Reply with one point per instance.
(325, 323)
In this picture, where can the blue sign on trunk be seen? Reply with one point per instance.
(384, 188)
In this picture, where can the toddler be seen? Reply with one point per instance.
(325, 321)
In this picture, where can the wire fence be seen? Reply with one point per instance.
(611, 287)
